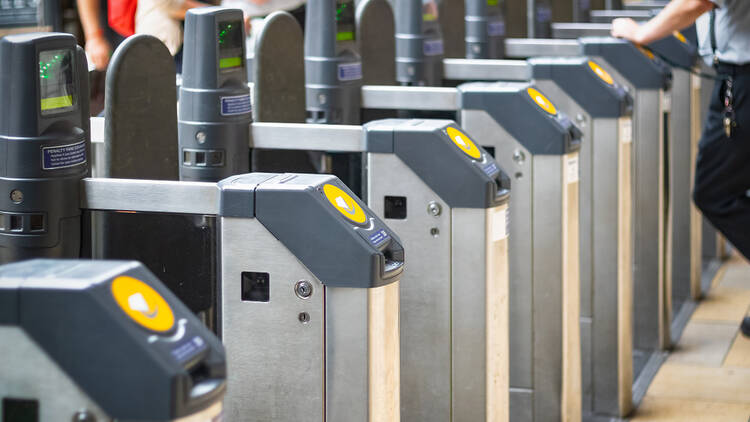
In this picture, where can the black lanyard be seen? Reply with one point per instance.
(712, 31)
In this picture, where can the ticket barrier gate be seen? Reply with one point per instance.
(417, 98)
(682, 148)
(332, 297)
(647, 80)
(545, 344)
(682, 231)
(103, 340)
(449, 199)
(489, 187)
(603, 112)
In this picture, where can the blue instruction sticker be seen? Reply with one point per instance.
(238, 104)
(543, 13)
(490, 169)
(350, 71)
(432, 47)
(379, 237)
(496, 28)
(63, 156)
(188, 349)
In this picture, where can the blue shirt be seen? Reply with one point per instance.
(732, 32)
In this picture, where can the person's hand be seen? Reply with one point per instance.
(248, 25)
(99, 50)
(625, 28)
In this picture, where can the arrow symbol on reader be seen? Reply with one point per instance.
(137, 302)
(460, 141)
(344, 204)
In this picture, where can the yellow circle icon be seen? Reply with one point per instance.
(142, 304)
(464, 143)
(601, 73)
(542, 101)
(345, 204)
(646, 52)
(679, 36)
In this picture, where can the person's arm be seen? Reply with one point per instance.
(96, 45)
(179, 11)
(677, 15)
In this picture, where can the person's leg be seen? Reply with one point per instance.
(722, 176)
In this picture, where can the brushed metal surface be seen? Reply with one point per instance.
(304, 136)
(649, 205)
(150, 196)
(469, 233)
(275, 363)
(548, 286)
(536, 267)
(577, 30)
(533, 47)
(409, 98)
(28, 372)
(485, 69)
(346, 356)
(680, 182)
(425, 289)
(521, 253)
(591, 140)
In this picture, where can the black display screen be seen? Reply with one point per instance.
(56, 86)
(345, 20)
(230, 44)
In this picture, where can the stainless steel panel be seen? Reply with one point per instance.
(150, 196)
(425, 288)
(346, 362)
(521, 405)
(275, 362)
(648, 179)
(521, 253)
(469, 310)
(530, 47)
(577, 30)
(409, 98)
(680, 175)
(28, 372)
(591, 139)
(606, 381)
(302, 136)
(547, 285)
(477, 70)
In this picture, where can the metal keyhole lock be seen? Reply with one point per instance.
(581, 120)
(303, 289)
(434, 209)
(519, 157)
(83, 416)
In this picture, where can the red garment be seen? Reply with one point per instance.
(121, 16)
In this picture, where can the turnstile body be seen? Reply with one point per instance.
(316, 281)
(648, 82)
(448, 200)
(542, 156)
(603, 112)
(103, 340)
(551, 394)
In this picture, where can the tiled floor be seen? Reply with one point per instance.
(707, 377)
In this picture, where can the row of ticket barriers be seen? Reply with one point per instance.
(322, 227)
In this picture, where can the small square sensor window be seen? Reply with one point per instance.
(20, 410)
(395, 207)
(255, 287)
